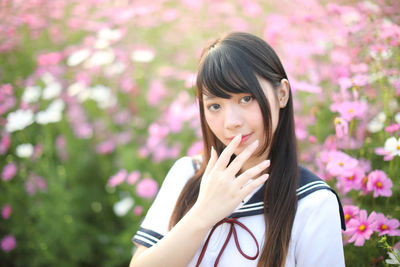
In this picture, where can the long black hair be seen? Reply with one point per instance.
(229, 65)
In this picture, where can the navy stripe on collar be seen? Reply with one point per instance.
(308, 183)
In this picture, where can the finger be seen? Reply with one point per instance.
(211, 162)
(251, 173)
(252, 185)
(226, 155)
(238, 162)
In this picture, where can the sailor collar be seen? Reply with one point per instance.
(308, 183)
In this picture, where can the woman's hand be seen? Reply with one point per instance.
(220, 190)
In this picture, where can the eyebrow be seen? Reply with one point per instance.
(209, 97)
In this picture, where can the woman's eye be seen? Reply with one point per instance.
(213, 107)
(246, 99)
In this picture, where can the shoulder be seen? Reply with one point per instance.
(315, 195)
(181, 171)
(318, 199)
(184, 164)
(309, 183)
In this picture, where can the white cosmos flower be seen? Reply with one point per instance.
(108, 34)
(142, 55)
(101, 44)
(375, 126)
(392, 145)
(48, 78)
(100, 58)
(52, 90)
(103, 96)
(75, 88)
(381, 116)
(52, 114)
(115, 69)
(24, 150)
(123, 206)
(78, 57)
(397, 117)
(79, 90)
(351, 18)
(18, 120)
(31, 94)
(375, 76)
(372, 6)
(377, 123)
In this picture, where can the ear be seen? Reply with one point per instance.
(283, 93)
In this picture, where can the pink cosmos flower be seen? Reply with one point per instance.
(6, 211)
(147, 188)
(350, 182)
(364, 183)
(8, 243)
(117, 179)
(61, 144)
(106, 147)
(7, 98)
(156, 92)
(361, 228)
(387, 155)
(387, 226)
(312, 139)
(133, 177)
(195, 148)
(49, 59)
(341, 127)
(37, 151)
(123, 138)
(143, 152)
(9, 171)
(379, 183)
(122, 117)
(251, 8)
(4, 143)
(350, 212)
(340, 163)
(350, 109)
(138, 210)
(35, 183)
(393, 128)
(161, 153)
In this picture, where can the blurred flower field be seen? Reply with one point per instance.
(96, 103)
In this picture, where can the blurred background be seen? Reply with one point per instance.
(97, 102)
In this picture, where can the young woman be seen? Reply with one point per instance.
(246, 201)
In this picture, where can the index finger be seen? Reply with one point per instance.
(226, 155)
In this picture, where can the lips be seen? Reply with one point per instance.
(244, 138)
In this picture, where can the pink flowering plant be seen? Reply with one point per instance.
(96, 103)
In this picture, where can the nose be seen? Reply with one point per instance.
(233, 118)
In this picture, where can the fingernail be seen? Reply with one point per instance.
(239, 136)
(266, 163)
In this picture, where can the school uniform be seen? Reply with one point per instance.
(316, 238)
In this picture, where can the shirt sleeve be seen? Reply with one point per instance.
(318, 237)
(155, 225)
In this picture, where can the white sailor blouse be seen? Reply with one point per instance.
(237, 240)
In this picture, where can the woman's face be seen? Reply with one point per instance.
(240, 114)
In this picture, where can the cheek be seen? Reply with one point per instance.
(214, 123)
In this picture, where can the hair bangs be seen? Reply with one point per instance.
(222, 73)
